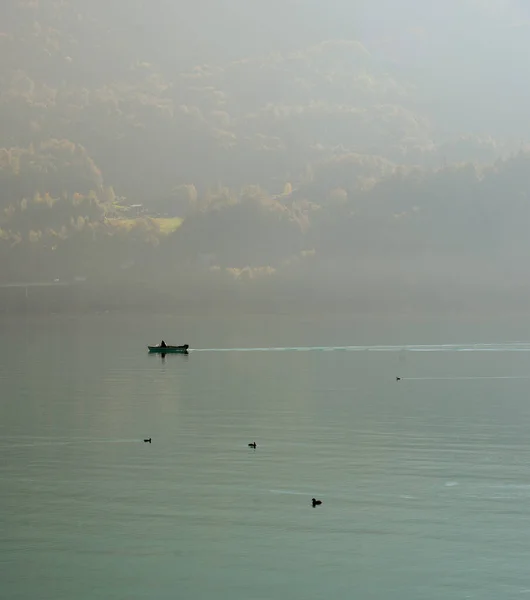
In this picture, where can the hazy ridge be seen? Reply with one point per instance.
(282, 155)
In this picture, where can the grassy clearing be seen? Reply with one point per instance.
(168, 225)
(165, 225)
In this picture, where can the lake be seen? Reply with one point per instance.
(425, 482)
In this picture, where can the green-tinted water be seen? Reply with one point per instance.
(425, 482)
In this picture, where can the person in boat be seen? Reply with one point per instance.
(163, 344)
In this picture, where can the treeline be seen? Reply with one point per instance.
(336, 224)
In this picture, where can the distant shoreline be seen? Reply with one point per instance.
(101, 297)
(288, 312)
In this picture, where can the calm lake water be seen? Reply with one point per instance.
(425, 482)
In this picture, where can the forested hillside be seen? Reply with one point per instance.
(263, 155)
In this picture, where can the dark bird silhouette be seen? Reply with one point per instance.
(315, 502)
(398, 378)
(252, 445)
(148, 440)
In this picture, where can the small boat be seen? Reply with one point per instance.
(169, 349)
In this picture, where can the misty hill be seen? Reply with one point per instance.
(268, 148)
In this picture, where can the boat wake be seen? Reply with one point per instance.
(465, 378)
(505, 347)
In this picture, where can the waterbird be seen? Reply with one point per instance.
(148, 440)
(315, 502)
(252, 445)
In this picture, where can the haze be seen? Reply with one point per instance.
(264, 156)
